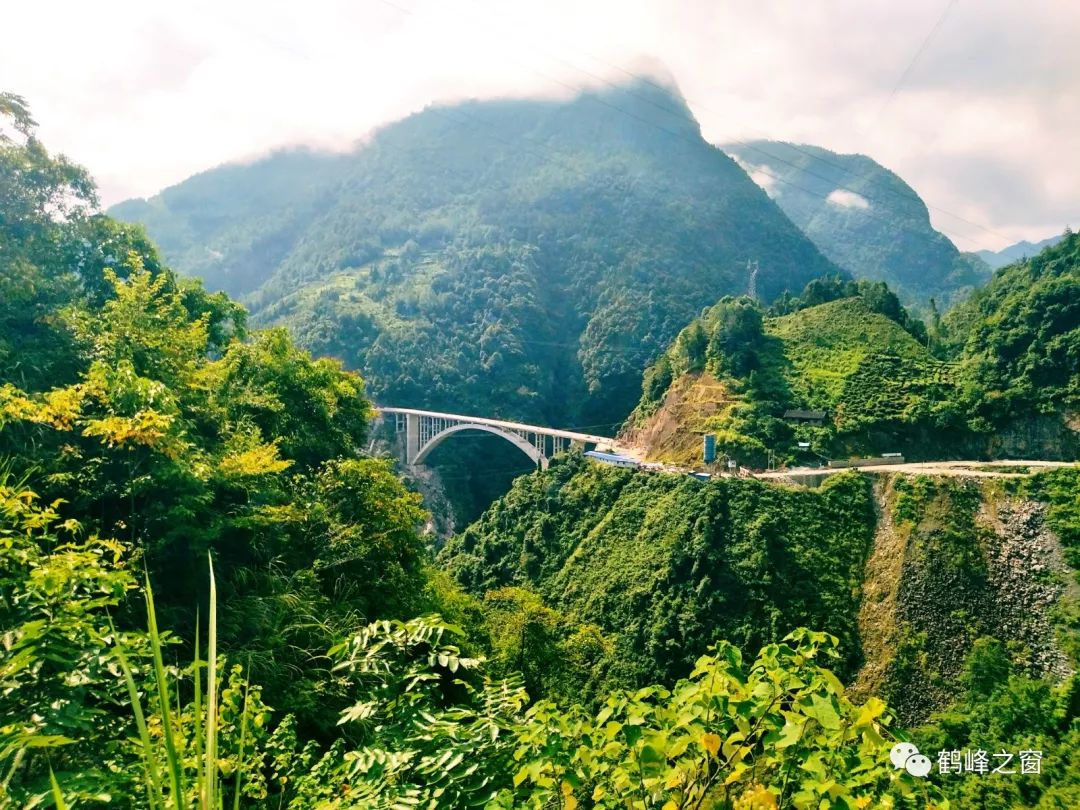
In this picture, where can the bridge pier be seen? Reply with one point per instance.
(412, 438)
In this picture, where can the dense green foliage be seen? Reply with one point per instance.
(1020, 337)
(426, 729)
(853, 357)
(864, 218)
(142, 426)
(153, 418)
(772, 733)
(988, 657)
(142, 408)
(54, 590)
(53, 251)
(665, 565)
(514, 258)
(973, 641)
(1012, 359)
(1004, 709)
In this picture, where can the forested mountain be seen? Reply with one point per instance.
(954, 599)
(230, 226)
(998, 376)
(863, 217)
(1019, 338)
(520, 258)
(1021, 250)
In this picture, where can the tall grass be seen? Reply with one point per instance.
(173, 791)
(209, 787)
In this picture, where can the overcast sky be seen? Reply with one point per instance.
(976, 103)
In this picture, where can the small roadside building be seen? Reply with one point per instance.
(805, 417)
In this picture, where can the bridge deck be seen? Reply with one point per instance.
(499, 423)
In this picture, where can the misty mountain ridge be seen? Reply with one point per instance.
(519, 257)
(1021, 250)
(863, 217)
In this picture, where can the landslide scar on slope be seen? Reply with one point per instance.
(878, 628)
(954, 560)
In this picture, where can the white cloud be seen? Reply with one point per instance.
(761, 174)
(983, 125)
(766, 179)
(847, 199)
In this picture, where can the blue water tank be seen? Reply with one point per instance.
(709, 449)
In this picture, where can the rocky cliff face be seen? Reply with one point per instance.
(1054, 436)
(954, 560)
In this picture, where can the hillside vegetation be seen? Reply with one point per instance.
(212, 596)
(997, 376)
(865, 218)
(1019, 337)
(143, 418)
(873, 379)
(955, 600)
(663, 563)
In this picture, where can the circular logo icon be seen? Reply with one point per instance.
(905, 755)
(918, 765)
(900, 752)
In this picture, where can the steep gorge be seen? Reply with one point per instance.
(907, 570)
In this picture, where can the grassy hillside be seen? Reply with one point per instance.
(664, 563)
(828, 344)
(875, 381)
(907, 571)
(1009, 383)
(516, 258)
(865, 218)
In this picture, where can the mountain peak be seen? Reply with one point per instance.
(862, 216)
(597, 225)
(1022, 249)
(651, 98)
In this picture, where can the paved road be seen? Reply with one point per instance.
(966, 469)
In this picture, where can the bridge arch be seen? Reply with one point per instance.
(514, 439)
(423, 431)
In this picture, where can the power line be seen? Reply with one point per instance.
(915, 58)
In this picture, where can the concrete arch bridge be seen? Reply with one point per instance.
(425, 430)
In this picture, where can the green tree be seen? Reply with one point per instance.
(142, 406)
(776, 732)
(693, 344)
(737, 336)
